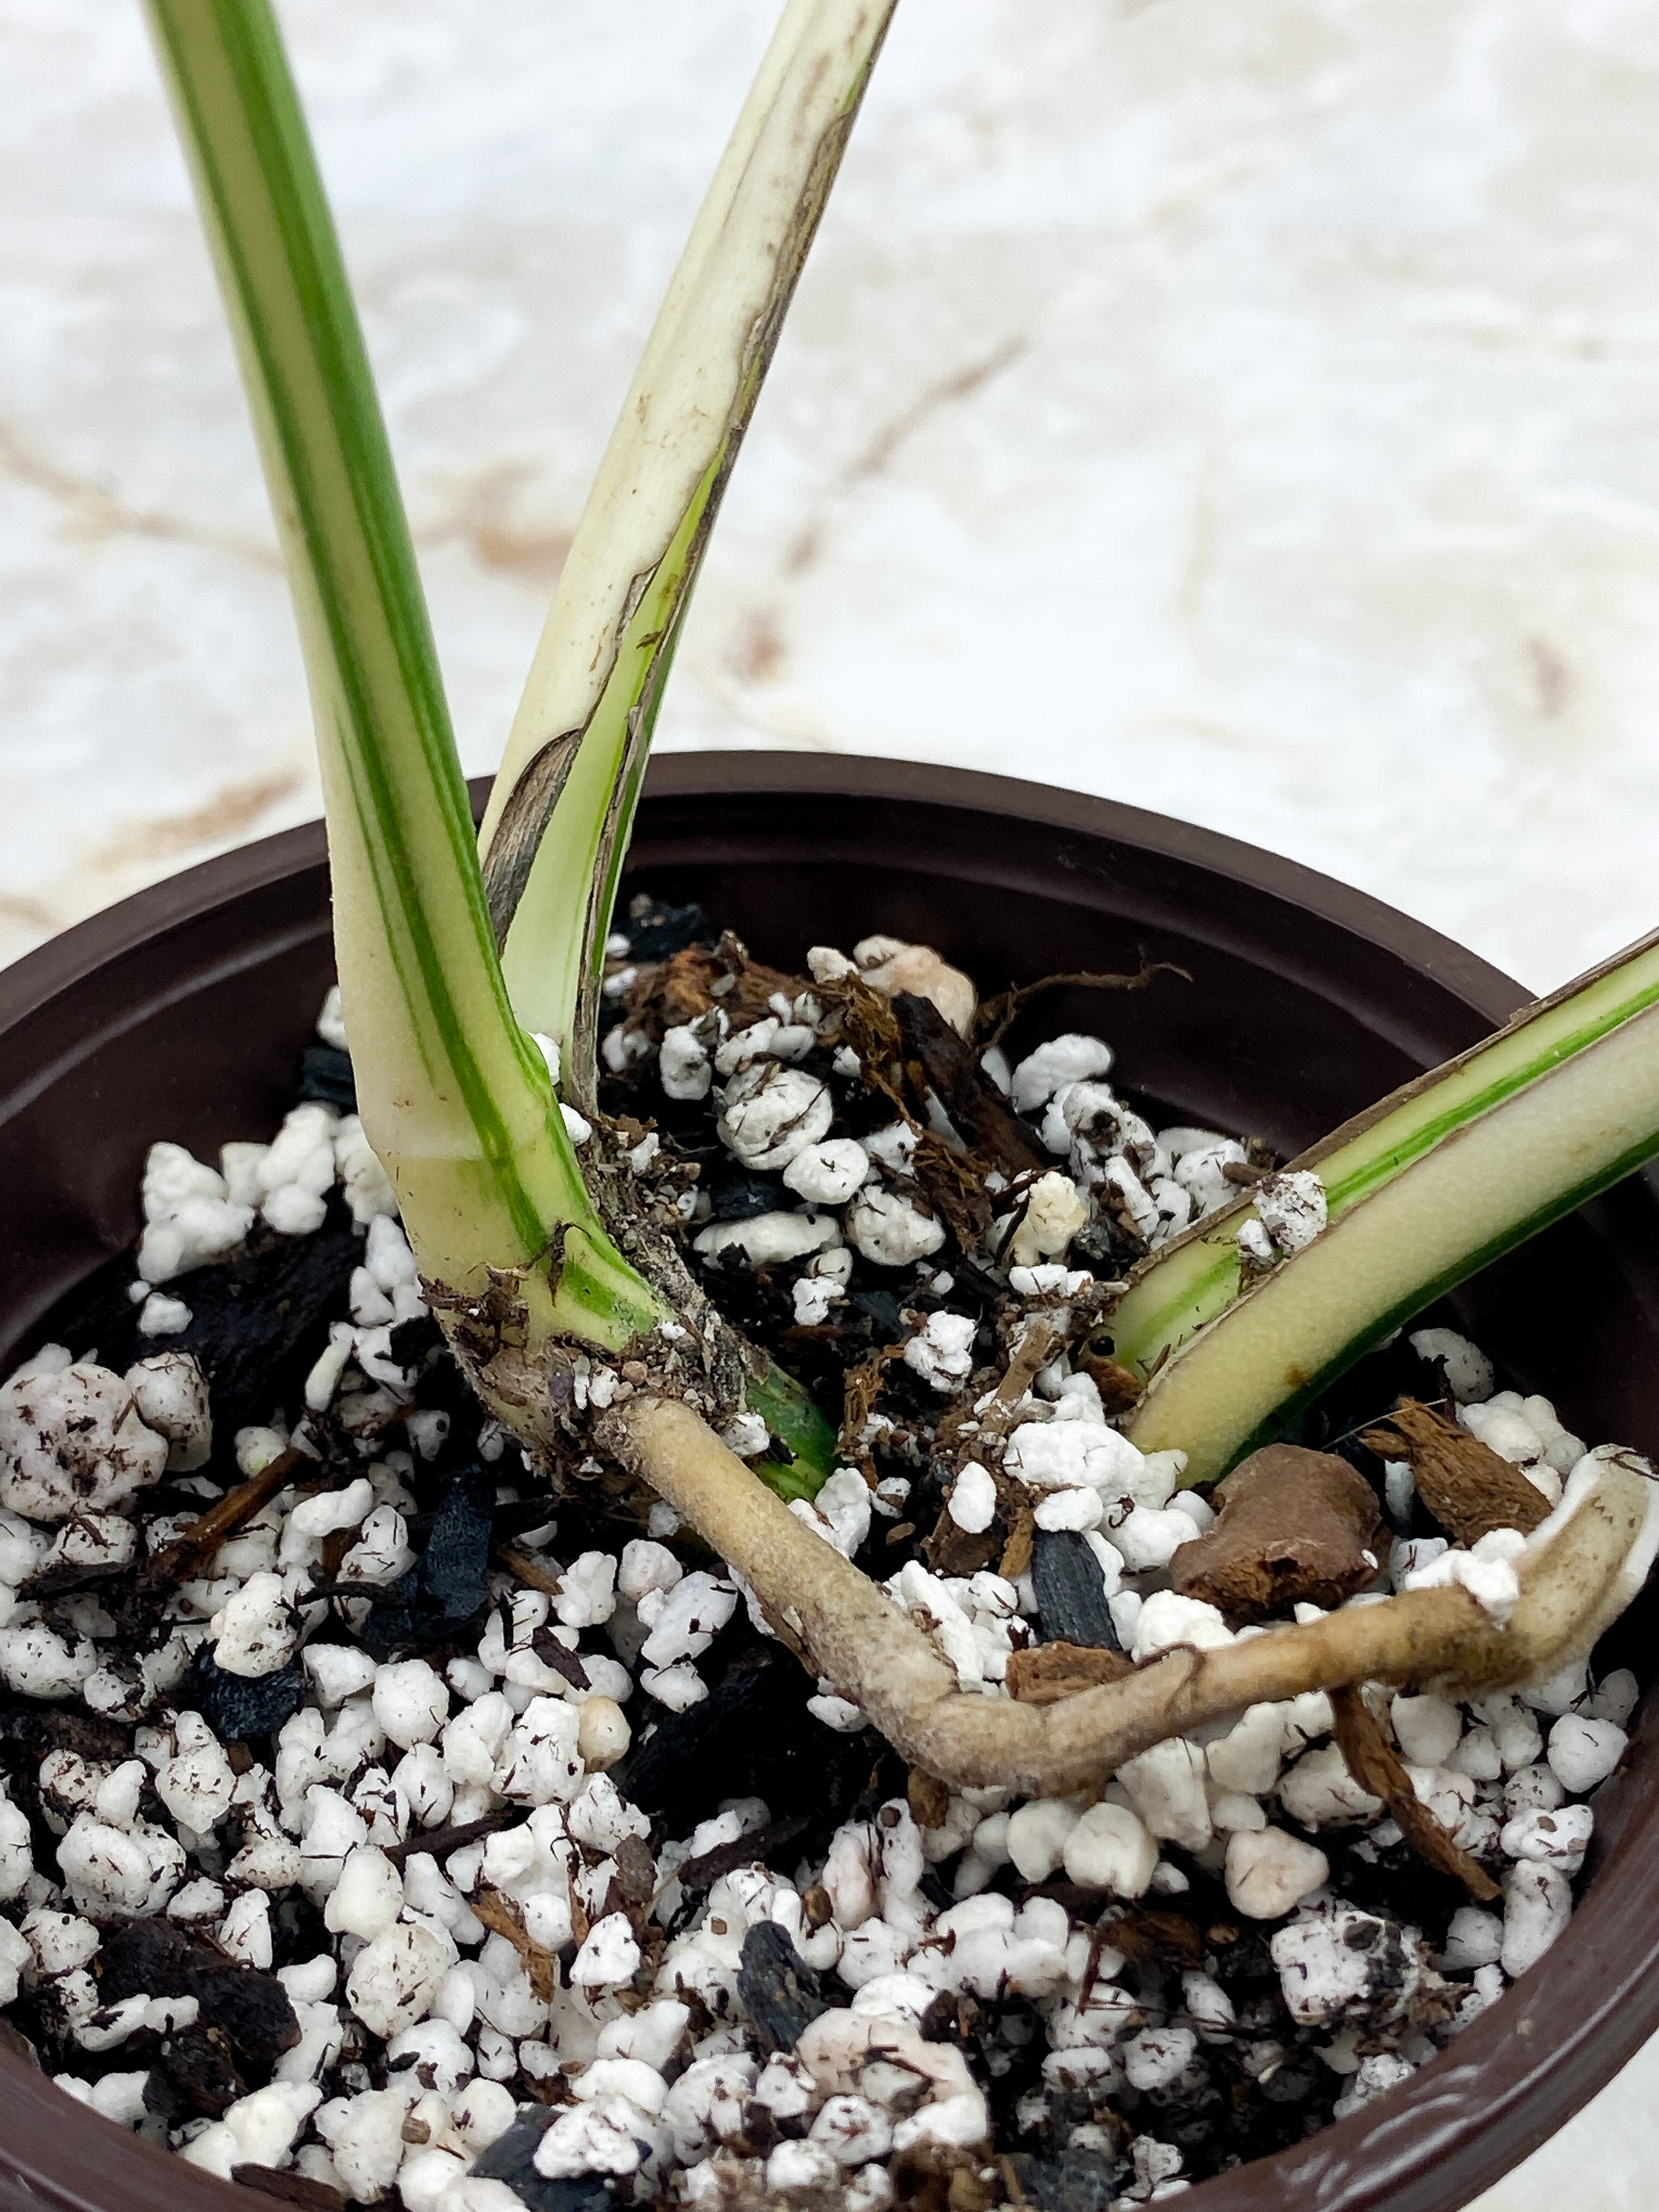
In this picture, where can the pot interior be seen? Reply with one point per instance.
(181, 1014)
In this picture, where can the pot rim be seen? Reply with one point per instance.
(1515, 2075)
(159, 908)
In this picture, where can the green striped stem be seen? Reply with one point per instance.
(559, 818)
(455, 1097)
(1447, 1174)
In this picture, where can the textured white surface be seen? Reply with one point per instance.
(1246, 411)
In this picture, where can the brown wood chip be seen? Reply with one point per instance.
(950, 1549)
(1148, 1937)
(502, 1916)
(1376, 1765)
(1016, 1559)
(535, 1574)
(1292, 1526)
(945, 1063)
(679, 989)
(1119, 1389)
(860, 1388)
(700, 1874)
(1469, 1488)
(546, 1647)
(1049, 1672)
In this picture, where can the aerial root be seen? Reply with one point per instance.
(1577, 1576)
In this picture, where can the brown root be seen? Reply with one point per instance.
(1376, 1765)
(1573, 1581)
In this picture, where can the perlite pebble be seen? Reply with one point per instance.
(411, 1702)
(1473, 1938)
(396, 1977)
(972, 1502)
(1537, 1906)
(1068, 1059)
(257, 2130)
(772, 1113)
(1561, 1837)
(828, 1174)
(1583, 1753)
(368, 1897)
(1165, 1786)
(1158, 2057)
(171, 1394)
(1468, 1371)
(1036, 1837)
(1425, 1729)
(1269, 1873)
(256, 1631)
(942, 1350)
(1291, 1207)
(74, 1438)
(889, 1230)
(1053, 1212)
(1110, 1848)
(1167, 1618)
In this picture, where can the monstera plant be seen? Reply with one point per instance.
(470, 967)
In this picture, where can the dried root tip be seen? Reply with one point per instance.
(1580, 1570)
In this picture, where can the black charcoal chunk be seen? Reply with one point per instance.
(882, 1309)
(238, 1706)
(512, 2159)
(147, 1958)
(778, 1990)
(737, 1195)
(259, 1320)
(656, 930)
(409, 1341)
(28, 1731)
(454, 1566)
(750, 1736)
(193, 2073)
(1075, 2181)
(252, 2009)
(390, 1628)
(446, 1589)
(1070, 1599)
(246, 2015)
(325, 1075)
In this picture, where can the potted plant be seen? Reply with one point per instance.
(472, 988)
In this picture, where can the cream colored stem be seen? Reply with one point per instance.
(856, 1635)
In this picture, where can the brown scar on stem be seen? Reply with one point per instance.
(1046, 1673)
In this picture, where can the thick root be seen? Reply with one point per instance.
(1580, 1570)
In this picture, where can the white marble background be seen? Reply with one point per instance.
(1247, 411)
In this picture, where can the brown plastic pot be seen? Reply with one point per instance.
(180, 1014)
